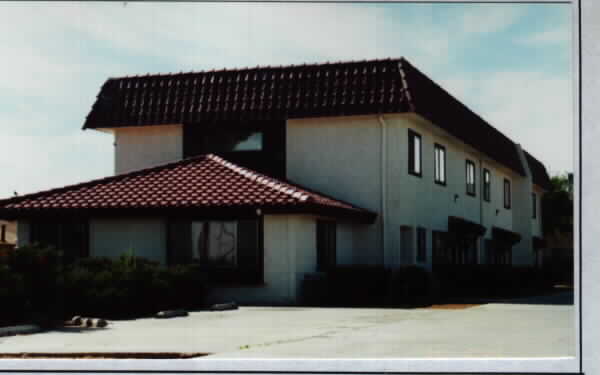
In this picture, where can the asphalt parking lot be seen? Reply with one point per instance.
(535, 327)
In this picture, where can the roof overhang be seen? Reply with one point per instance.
(505, 236)
(462, 226)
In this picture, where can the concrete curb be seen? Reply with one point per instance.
(19, 330)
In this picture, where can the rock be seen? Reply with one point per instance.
(224, 306)
(76, 320)
(171, 314)
(99, 323)
(88, 322)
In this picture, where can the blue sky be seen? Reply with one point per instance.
(510, 63)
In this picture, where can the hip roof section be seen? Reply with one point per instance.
(198, 185)
(295, 91)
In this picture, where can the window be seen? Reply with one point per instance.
(326, 244)
(439, 248)
(226, 243)
(232, 140)
(414, 153)
(487, 184)
(439, 166)
(470, 177)
(506, 194)
(421, 245)
(534, 204)
(406, 245)
(3, 233)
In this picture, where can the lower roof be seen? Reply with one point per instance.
(205, 185)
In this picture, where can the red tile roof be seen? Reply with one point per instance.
(205, 184)
(538, 172)
(295, 91)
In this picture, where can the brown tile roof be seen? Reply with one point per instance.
(205, 184)
(538, 172)
(295, 91)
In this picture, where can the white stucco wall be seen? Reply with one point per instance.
(147, 146)
(345, 161)
(289, 253)
(339, 156)
(112, 237)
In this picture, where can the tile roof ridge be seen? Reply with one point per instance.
(404, 81)
(271, 182)
(257, 67)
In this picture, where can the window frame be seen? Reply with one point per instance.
(507, 194)
(470, 163)
(437, 167)
(421, 256)
(412, 135)
(326, 252)
(487, 185)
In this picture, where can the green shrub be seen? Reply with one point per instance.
(357, 285)
(12, 295)
(411, 286)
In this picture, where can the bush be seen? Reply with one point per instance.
(36, 287)
(411, 286)
(357, 285)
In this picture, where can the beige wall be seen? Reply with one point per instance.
(344, 160)
(10, 231)
(289, 253)
(112, 237)
(147, 146)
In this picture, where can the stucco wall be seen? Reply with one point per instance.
(111, 237)
(147, 146)
(289, 253)
(351, 170)
(339, 156)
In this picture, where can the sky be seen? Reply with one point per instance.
(510, 63)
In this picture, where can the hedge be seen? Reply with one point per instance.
(38, 287)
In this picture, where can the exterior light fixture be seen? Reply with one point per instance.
(258, 212)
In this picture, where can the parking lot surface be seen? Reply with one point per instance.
(542, 327)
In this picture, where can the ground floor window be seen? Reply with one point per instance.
(326, 244)
(498, 253)
(70, 236)
(451, 249)
(226, 243)
(421, 245)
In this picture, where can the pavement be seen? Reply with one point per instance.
(542, 328)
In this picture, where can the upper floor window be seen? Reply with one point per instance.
(326, 244)
(232, 140)
(470, 177)
(414, 153)
(506, 193)
(534, 205)
(487, 184)
(439, 167)
(421, 245)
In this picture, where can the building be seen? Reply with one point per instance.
(8, 235)
(275, 172)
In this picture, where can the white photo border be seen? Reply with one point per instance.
(585, 50)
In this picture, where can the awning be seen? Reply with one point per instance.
(538, 242)
(461, 226)
(505, 236)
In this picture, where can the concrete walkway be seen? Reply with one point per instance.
(492, 330)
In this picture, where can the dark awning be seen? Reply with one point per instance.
(458, 225)
(538, 242)
(505, 236)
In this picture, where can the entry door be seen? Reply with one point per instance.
(407, 253)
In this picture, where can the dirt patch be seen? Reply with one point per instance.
(454, 306)
(103, 355)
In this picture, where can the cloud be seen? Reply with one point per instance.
(480, 19)
(560, 35)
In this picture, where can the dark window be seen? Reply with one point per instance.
(470, 177)
(534, 205)
(439, 166)
(69, 236)
(414, 153)
(506, 194)
(406, 245)
(3, 233)
(421, 245)
(497, 253)
(440, 254)
(231, 251)
(232, 140)
(487, 185)
(326, 243)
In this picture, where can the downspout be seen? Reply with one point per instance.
(481, 184)
(383, 186)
